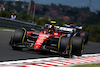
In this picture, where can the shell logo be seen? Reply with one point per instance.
(37, 46)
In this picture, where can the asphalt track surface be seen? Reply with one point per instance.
(7, 54)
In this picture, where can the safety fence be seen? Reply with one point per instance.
(14, 24)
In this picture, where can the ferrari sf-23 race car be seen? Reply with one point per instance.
(58, 39)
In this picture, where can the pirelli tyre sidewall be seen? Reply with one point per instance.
(18, 37)
(65, 46)
(85, 36)
(77, 45)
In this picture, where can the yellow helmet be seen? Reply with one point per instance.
(53, 22)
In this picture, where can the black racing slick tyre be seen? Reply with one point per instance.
(18, 37)
(85, 37)
(65, 46)
(77, 45)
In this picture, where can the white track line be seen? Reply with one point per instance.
(8, 30)
(53, 61)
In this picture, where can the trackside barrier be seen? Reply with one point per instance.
(14, 24)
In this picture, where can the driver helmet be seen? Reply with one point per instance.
(52, 28)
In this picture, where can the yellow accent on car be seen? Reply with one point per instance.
(24, 35)
(70, 48)
(37, 46)
(42, 37)
(70, 45)
(49, 30)
(82, 47)
(60, 40)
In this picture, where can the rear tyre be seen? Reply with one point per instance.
(77, 46)
(18, 37)
(65, 46)
(85, 37)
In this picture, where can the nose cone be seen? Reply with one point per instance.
(37, 46)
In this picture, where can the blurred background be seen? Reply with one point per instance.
(85, 12)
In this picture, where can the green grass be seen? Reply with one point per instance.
(6, 28)
(88, 65)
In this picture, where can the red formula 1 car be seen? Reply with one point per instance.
(49, 39)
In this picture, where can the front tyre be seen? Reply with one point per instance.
(18, 37)
(64, 46)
